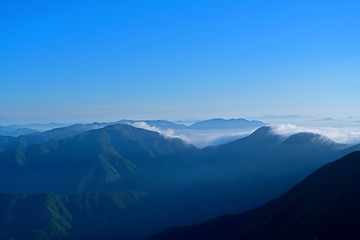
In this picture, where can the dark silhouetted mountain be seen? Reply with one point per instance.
(217, 123)
(111, 158)
(15, 132)
(323, 206)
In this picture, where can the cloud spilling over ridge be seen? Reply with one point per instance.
(169, 133)
(216, 138)
(348, 135)
(199, 138)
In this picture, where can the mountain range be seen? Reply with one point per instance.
(17, 130)
(227, 123)
(167, 176)
(16, 136)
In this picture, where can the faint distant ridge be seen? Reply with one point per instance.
(227, 123)
(24, 140)
(41, 126)
(351, 149)
(15, 131)
(215, 123)
(327, 119)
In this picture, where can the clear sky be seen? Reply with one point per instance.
(69, 61)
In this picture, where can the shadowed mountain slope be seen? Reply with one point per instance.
(323, 206)
(80, 216)
(112, 158)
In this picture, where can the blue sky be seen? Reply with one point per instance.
(72, 61)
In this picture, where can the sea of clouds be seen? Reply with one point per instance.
(341, 131)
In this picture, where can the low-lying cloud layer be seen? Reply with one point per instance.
(199, 138)
(348, 135)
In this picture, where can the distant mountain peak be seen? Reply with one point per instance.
(227, 123)
(265, 130)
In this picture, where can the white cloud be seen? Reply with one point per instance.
(348, 135)
(169, 133)
(144, 125)
(214, 138)
(284, 129)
